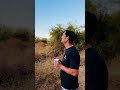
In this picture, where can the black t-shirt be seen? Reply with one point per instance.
(71, 60)
(96, 74)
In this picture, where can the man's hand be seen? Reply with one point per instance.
(73, 72)
(58, 64)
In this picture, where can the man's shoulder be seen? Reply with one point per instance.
(72, 50)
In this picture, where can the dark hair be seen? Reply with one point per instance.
(71, 35)
(91, 25)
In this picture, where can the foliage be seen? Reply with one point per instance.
(22, 34)
(90, 6)
(107, 37)
(37, 39)
(55, 40)
(5, 33)
(44, 40)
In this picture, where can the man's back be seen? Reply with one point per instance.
(96, 75)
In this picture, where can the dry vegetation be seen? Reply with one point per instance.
(46, 75)
(16, 60)
(114, 74)
(14, 66)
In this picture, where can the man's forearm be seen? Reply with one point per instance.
(73, 72)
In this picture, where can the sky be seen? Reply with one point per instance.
(49, 13)
(17, 13)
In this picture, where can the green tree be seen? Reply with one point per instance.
(55, 40)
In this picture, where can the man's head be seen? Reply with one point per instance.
(68, 37)
(90, 26)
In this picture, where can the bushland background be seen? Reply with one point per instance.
(47, 77)
(17, 56)
(106, 40)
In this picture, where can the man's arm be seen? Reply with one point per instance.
(73, 72)
(74, 60)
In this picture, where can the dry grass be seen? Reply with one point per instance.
(16, 65)
(43, 52)
(114, 74)
(47, 77)
(82, 58)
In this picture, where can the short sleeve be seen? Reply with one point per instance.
(74, 59)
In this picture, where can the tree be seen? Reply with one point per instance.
(55, 40)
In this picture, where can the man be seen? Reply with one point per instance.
(70, 64)
(96, 74)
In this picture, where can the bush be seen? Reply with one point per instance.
(44, 40)
(37, 39)
(22, 34)
(55, 40)
(5, 33)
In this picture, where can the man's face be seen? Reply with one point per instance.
(64, 39)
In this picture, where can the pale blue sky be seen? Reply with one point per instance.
(17, 13)
(49, 13)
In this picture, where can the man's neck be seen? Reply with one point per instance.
(67, 45)
(88, 46)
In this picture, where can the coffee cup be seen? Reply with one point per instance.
(56, 60)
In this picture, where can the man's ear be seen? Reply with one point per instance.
(68, 37)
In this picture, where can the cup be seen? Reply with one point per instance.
(56, 60)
